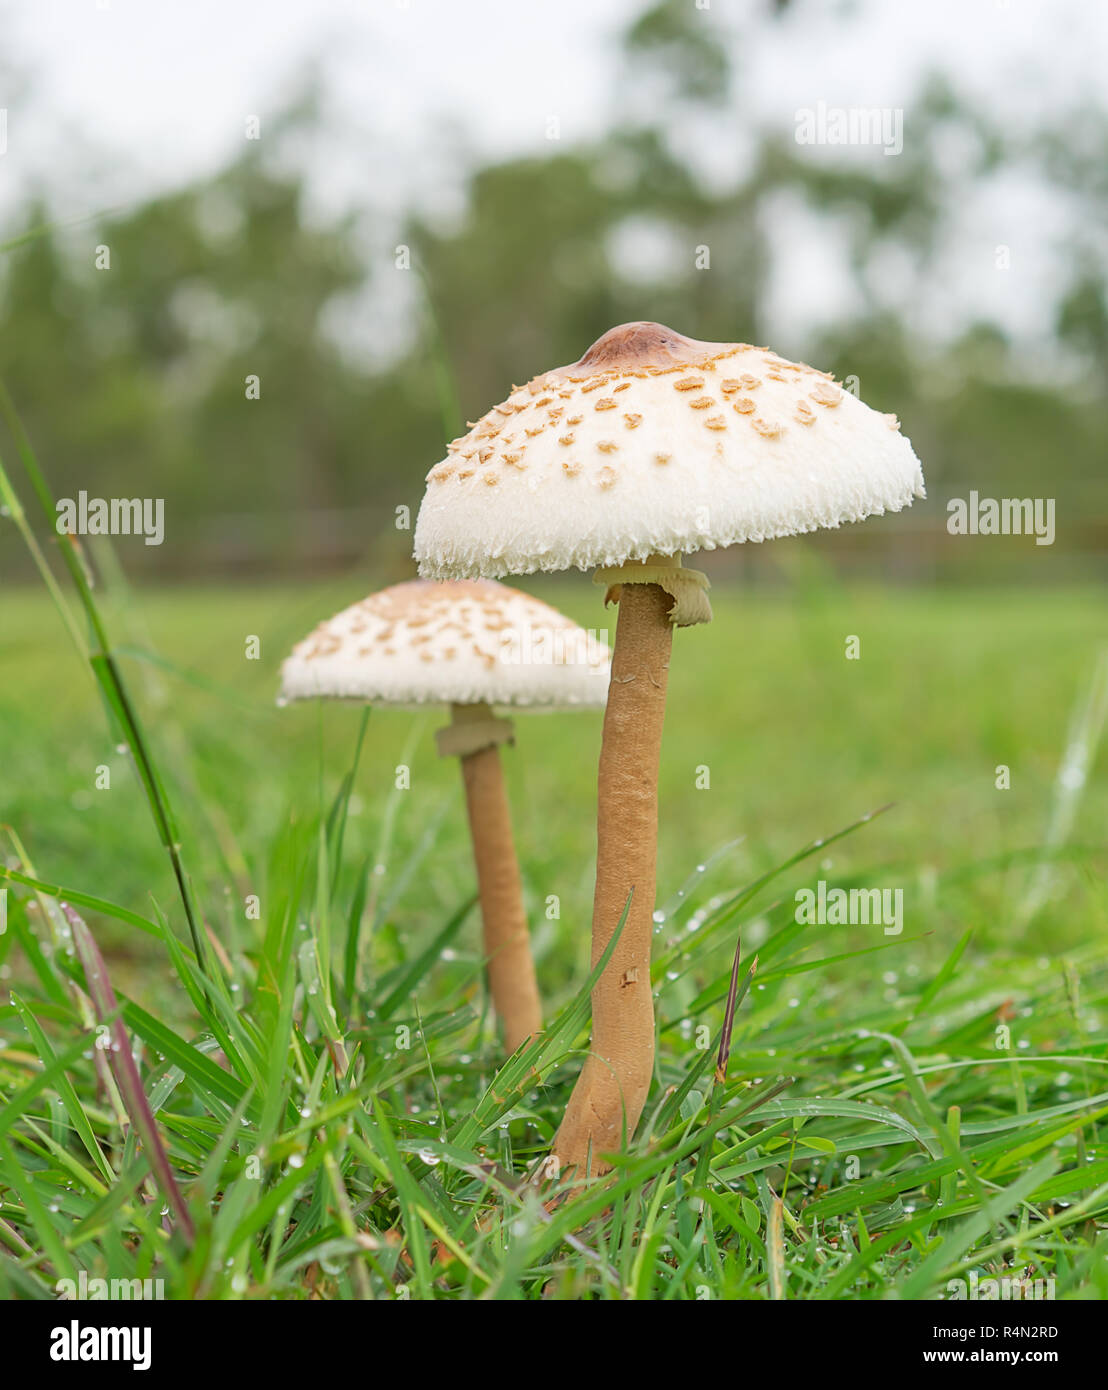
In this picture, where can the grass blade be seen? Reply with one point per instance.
(125, 1069)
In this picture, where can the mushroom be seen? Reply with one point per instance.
(471, 645)
(651, 446)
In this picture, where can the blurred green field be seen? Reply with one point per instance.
(796, 740)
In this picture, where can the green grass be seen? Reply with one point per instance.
(872, 1138)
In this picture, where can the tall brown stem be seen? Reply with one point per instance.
(515, 992)
(611, 1090)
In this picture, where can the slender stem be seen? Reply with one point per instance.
(611, 1091)
(512, 983)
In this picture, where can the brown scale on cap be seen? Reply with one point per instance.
(768, 429)
(322, 642)
(826, 394)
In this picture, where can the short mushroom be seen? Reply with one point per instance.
(651, 446)
(472, 645)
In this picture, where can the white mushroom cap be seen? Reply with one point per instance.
(656, 444)
(467, 642)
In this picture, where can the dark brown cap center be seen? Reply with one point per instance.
(635, 345)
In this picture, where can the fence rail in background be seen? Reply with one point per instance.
(907, 548)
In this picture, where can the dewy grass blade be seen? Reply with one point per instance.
(52, 1245)
(86, 900)
(775, 1248)
(69, 1097)
(119, 701)
(125, 1069)
(734, 999)
(687, 889)
(41, 1081)
(407, 1196)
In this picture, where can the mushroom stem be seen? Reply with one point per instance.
(515, 992)
(611, 1090)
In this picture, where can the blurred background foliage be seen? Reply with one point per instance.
(132, 380)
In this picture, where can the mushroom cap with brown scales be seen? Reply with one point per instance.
(465, 642)
(657, 444)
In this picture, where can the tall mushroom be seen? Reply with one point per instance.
(471, 645)
(651, 446)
